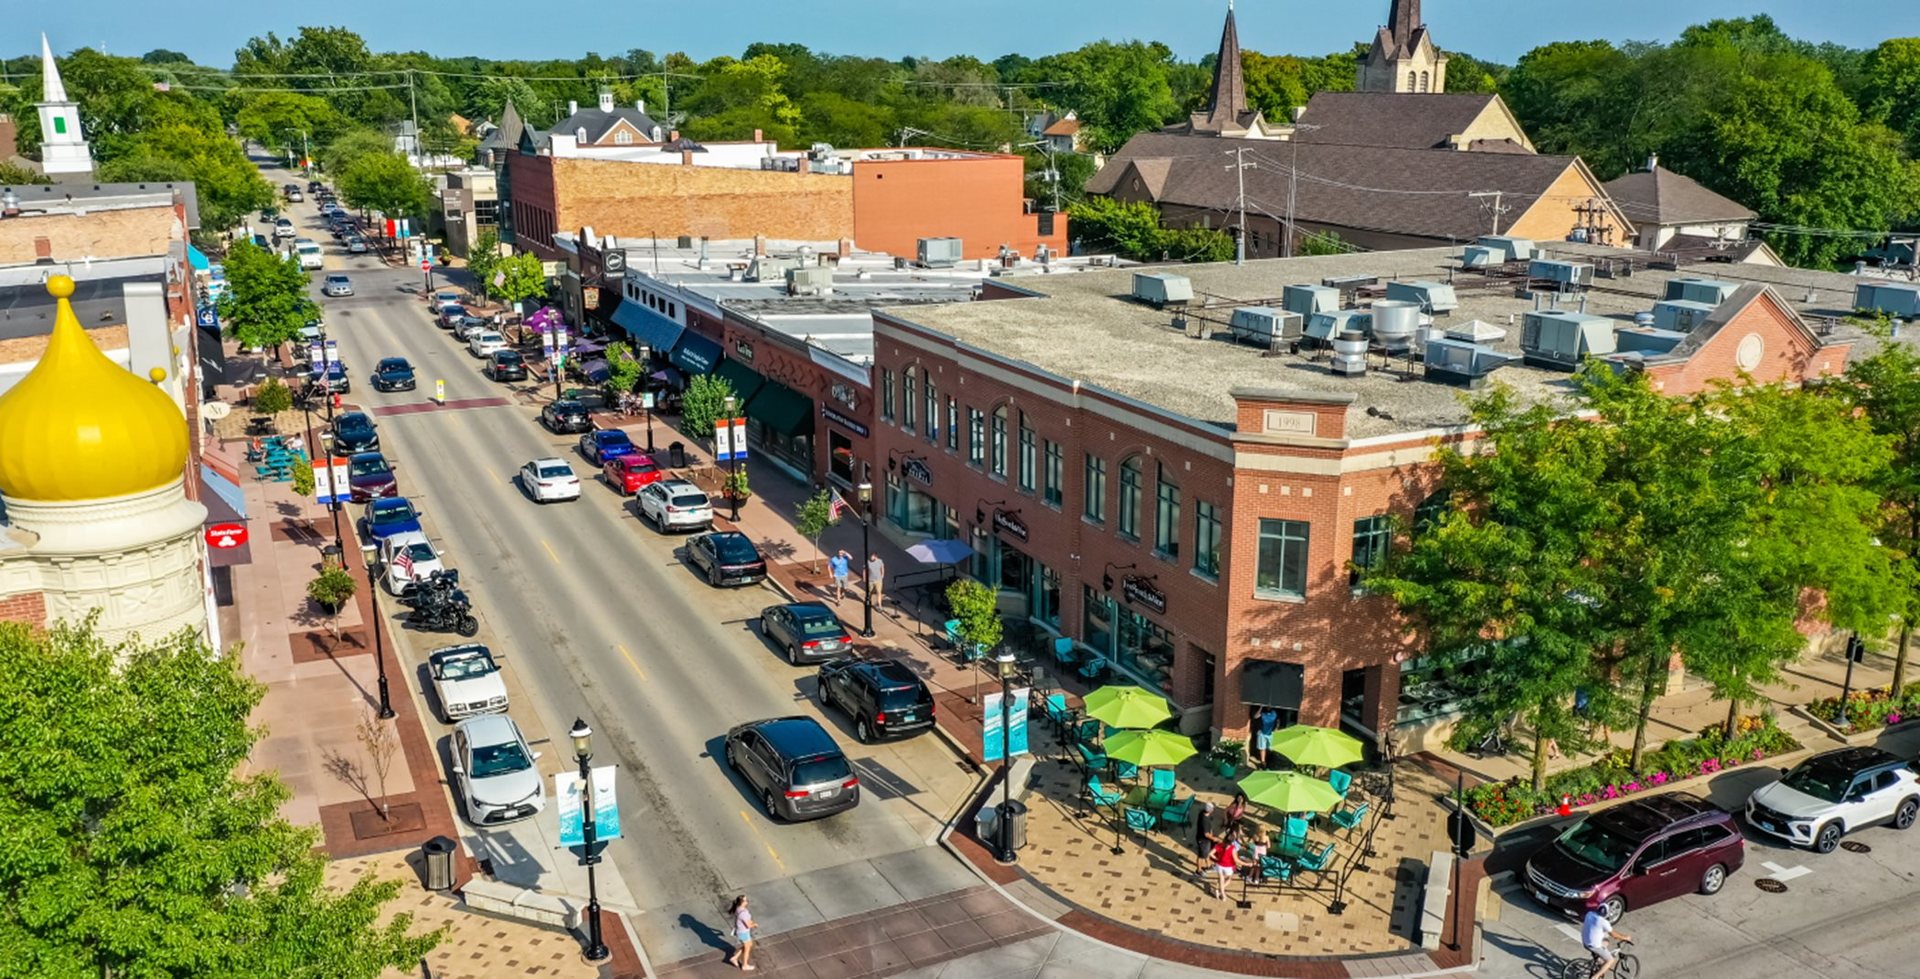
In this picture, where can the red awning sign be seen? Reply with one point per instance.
(226, 535)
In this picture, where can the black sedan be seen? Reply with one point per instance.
(565, 417)
(602, 444)
(807, 632)
(394, 374)
(355, 432)
(727, 557)
(505, 365)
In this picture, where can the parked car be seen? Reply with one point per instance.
(494, 765)
(337, 284)
(295, 197)
(1833, 794)
(565, 417)
(370, 475)
(602, 444)
(505, 365)
(441, 299)
(394, 374)
(466, 681)
(550, 479)
(805, 631)
(464, 327)
(481, 343)
(675, 504)
(406, 560)
(726, 557)
(315, 186)
(355, 432)
(389, 516)
(1640, 852)
(628, 473)
(356, 245)
(795, 767)
(333, 380)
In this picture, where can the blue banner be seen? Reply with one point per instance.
(1016, 720)
(606, 808)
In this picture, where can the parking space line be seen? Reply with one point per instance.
(630, 660)
(1572, 933)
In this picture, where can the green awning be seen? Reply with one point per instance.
(782, 409)
(745, 382)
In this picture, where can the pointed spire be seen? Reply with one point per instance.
(1403, 19)
(1229, 101)
(52, 89)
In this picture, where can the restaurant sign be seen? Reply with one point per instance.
(843, 421)
(1142, 590)
(918, 470)
(1011, 523)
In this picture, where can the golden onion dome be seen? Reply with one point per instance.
(81, 427)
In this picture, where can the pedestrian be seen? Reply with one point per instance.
(876, 580)
(1226, 855)
(1256, 866)
(1263, 724)
(841, 565)
(1236, 809)
(1204, 836)
(742, 933)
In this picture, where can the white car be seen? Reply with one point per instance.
(494, 765)
(283, 228)
(1833, 794)
(406, 559)
(309, 254)
(550, 479)
(675, 504)
(441, 300)
(484, 342)
(466, 681)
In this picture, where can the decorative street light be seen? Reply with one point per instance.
(367, 552)
(582, 736)
(644, 354)
(1005, 823)
(866, 556)
(733, 459)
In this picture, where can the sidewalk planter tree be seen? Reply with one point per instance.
(1886, 387)
(331, 589)
(516, 278)
(482, 258)
(303, 481)
(266, 303)
(812, 519)
(977, 609)
(272, 397)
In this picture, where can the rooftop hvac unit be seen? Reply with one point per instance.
(1462, 363)
(1511, 249)
(767, 269)
(1394, 322)
(1434, 297)
(1563, 273)
(811, 280)
(1349, 354)
(938, 253)
(1713, 292)
(1680, 315)
(1646, 340)
(1892, 298)
(1559, 339)
(1322, 328)
(1160, 288)
(1481, 257)
(1309, 299)
(1476, 331)
(1266, 327)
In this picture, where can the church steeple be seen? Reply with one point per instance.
(63, 147)
(1229, 98)
(1403, 57)
(1403, 18)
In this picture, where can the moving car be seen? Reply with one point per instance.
(337, 284)
(355, 432)
(407, 559)
(466, 681)
(602, 444)
(630, 472)
(480, 343)
(394, 374)
(675, 504)
(295, 196)
(1637, 853)
(370, 475)
(494, 765)
(727, 557)
(356, 245)
(565, 417)
(550, 479)
(805, 631)
(795, 767)
(389, 516)
(1833, 794)
(505, 365)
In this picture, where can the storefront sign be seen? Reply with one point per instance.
(226, 535)
(843, 393)
(843, 421)
(743, 351)
(918, 471)
(1011, 523)
(1141, 590)
(590, 297)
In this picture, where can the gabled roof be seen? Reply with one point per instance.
(1725, 313)
(599, 122)
(507, 132)
(1152, 174)
(1068, 126)
(1660, 196)
(1227, 112)
(1404, 119)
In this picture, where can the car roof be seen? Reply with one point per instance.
(611, 433)
(676, 483)
(502, 354)
(547, 460)
(1640, 818)
(395, 362)
(1852, 760)
(811, 609)
(569, 404)
(352, 416)
(633, 459)
(391, 503)
(490, 729)
(889, 673)
(720, 535)
(369, 456)
(797, 737)
(340, 276)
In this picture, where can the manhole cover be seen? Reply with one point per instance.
(1855, 846)
(1770, 885)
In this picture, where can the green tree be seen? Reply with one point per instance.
(483, 259)
(1886, 388)
(812, 518)
(517, 278)
(272, 398)
(1890, 85)
(704, 403)
(387, 183)
(303, 478)
(228, 185)
(1131, 229)
(165, 56)
(976, 608)
(13, 174)
(625, 372)
(266, 303)
(133, 846)
(289, 121)
(351, 146)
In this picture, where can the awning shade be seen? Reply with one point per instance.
(1271, 684)
(646, 326)
(225, 503)
(696, 354)
(782, 409)
(197, 258)
(745, 382)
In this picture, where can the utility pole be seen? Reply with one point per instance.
(1240, 167)
(1293, 182)
(413, 108)
(1495, 209)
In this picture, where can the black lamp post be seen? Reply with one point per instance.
(645, 355)
(582, 736)
(733, 459)
(866, 557)
(367, 551)
(1856, 652)
(1005, 823)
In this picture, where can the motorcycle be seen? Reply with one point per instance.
(439, 605)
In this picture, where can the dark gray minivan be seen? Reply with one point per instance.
(795, 767)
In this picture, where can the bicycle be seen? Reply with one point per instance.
(1628, 967)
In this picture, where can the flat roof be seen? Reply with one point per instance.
(1086, 327)
(99, 299)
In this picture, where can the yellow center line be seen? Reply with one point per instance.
(763, 840)
(631, 661)
(549, 547)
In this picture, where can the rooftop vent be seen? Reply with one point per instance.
(1322, 328)
(1462, 363)
(1394, 322)
(1349, 285)
(1159, 289)
(1680, 315)
(938, 253)
(1509, 248)
(1564, 274)
(1481, 257)
(811, 280)
(1309, 299)
(1350, 354)
(1710, 291)
(1264, 326)
(1893, 298)
(1559, 339)
(1476, 331)
(1646, 339)
(1434, 297)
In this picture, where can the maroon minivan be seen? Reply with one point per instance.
(1637, 853)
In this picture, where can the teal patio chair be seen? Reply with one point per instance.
(1274, 870)
(1177, 814)
(1317, 860)
(1138, 820)
(1124, 770)
(1092, 759)
(1350, 818)
(1063, 651)
(1341, 782)
(1160, 788)
(1088, 732)
(1093, 669)
(1293, 841)
(1103, 796)
(1057, 712)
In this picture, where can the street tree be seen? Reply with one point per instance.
(135, 845)
(517, 278)
(1886, 388)
(266, 303)
(387, 183)
(228, 185)
(625, 372)
(482, 259)
(704, 403)
(289, 121)
(350, 146)
(812, 518)
(977, 610)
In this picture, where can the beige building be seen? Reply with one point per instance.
(1403, 57)
(469, 207)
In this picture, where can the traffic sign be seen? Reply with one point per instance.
(226, 536)
(426, 266)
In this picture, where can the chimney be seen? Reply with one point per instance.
(673, 135)
(805, 165)
(606, 101)
(846, 248)
(640, 105)
(1653, 162)
(572, 107)
(759, 245)
(757, 137)
(686, 158)
(1298, 111)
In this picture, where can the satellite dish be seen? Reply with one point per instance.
(215, 410)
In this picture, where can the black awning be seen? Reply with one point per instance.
(1267, 683)
(782, 409)
(745, 382)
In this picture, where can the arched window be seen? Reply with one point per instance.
(1410, 81)
(930, 401)
(1130, 498)
(1026, 454)
(623, 138)
(997, 448)
(1423, 81)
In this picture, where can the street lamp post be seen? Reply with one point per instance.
(866, 557)
(367, 551)
(733, 460)
(1005, 823)
(645, 355)
(1856, 651)
(582, 736)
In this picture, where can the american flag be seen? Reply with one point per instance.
(837, 505)
(403, 563)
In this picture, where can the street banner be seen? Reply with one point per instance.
(606, 808)
(722, 441)
(739, 438)
(333, 351)
(322, 485)
(314, 355)
(342, 487)
(990, 724)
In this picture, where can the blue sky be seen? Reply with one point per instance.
(1500, 30)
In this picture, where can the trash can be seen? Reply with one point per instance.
(983, 825)
(1016, 816)
(677, 455)
(438, 855)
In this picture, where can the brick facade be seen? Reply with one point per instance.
(785, 360)
(979, 199)
(29, 607)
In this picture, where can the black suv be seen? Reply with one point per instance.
(505, 365)
(355, 432)
(726, 557)
(794, 766)
(881, 696)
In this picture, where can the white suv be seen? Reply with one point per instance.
(1832, 794)
(675, 504)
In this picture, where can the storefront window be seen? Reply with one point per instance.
(1166, 533)
(906, 399)
(794, 450)
(840, 464)
(886, 394)
(998, 448)
(1146, 650)
(908, 508)
(1014, 568)
(1431, 510)
(1281, 570)
(1095, 490)
(976, 437)
(1371, 538)
(946, 523)
(1206, 539)
(1096, 621)
(1438, 685)
(1026, 454)
(1046, 595)
(1053, 478)
(1130, 498)
(931, 401)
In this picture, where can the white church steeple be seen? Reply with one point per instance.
(63, 148)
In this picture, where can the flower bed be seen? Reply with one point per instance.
(1871, 709)
(1515, 800)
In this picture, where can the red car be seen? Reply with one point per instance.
(628, 473)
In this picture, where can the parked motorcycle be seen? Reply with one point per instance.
(439, 605)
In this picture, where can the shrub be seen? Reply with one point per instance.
(272, 397)
(331, 588)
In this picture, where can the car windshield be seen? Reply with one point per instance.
(499, 759)
(453, 311)
(491, 338)
(356, 426)
(555, 471)
(1595, 845)
(374, 466)
(689, 499)
(734, 547)
(394, 364)
(1824, 782)
(567, 408)
(826, 768)
(612, 439)
(472, 665)
(509, 357)
(420, 552)
(400, 513)
(899, 698)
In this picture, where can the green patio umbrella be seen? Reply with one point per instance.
(1289, 792)
(1129, 707)
(1149, 749)
(1317, 747)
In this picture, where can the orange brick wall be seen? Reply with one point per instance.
(1787, 353)
(980, 199)
(29, 607)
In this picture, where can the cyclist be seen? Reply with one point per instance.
(1595, 930)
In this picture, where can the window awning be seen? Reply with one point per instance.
(646, 326)
(1271, 684)
(745, 382)
(782, 409)
(225, 503)
(696, 354)
(197, 259)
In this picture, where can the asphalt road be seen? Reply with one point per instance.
(600, 618)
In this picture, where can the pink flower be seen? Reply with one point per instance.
(1633, 787)
(1610, 792)
(1659, 778)
(1893, 718)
